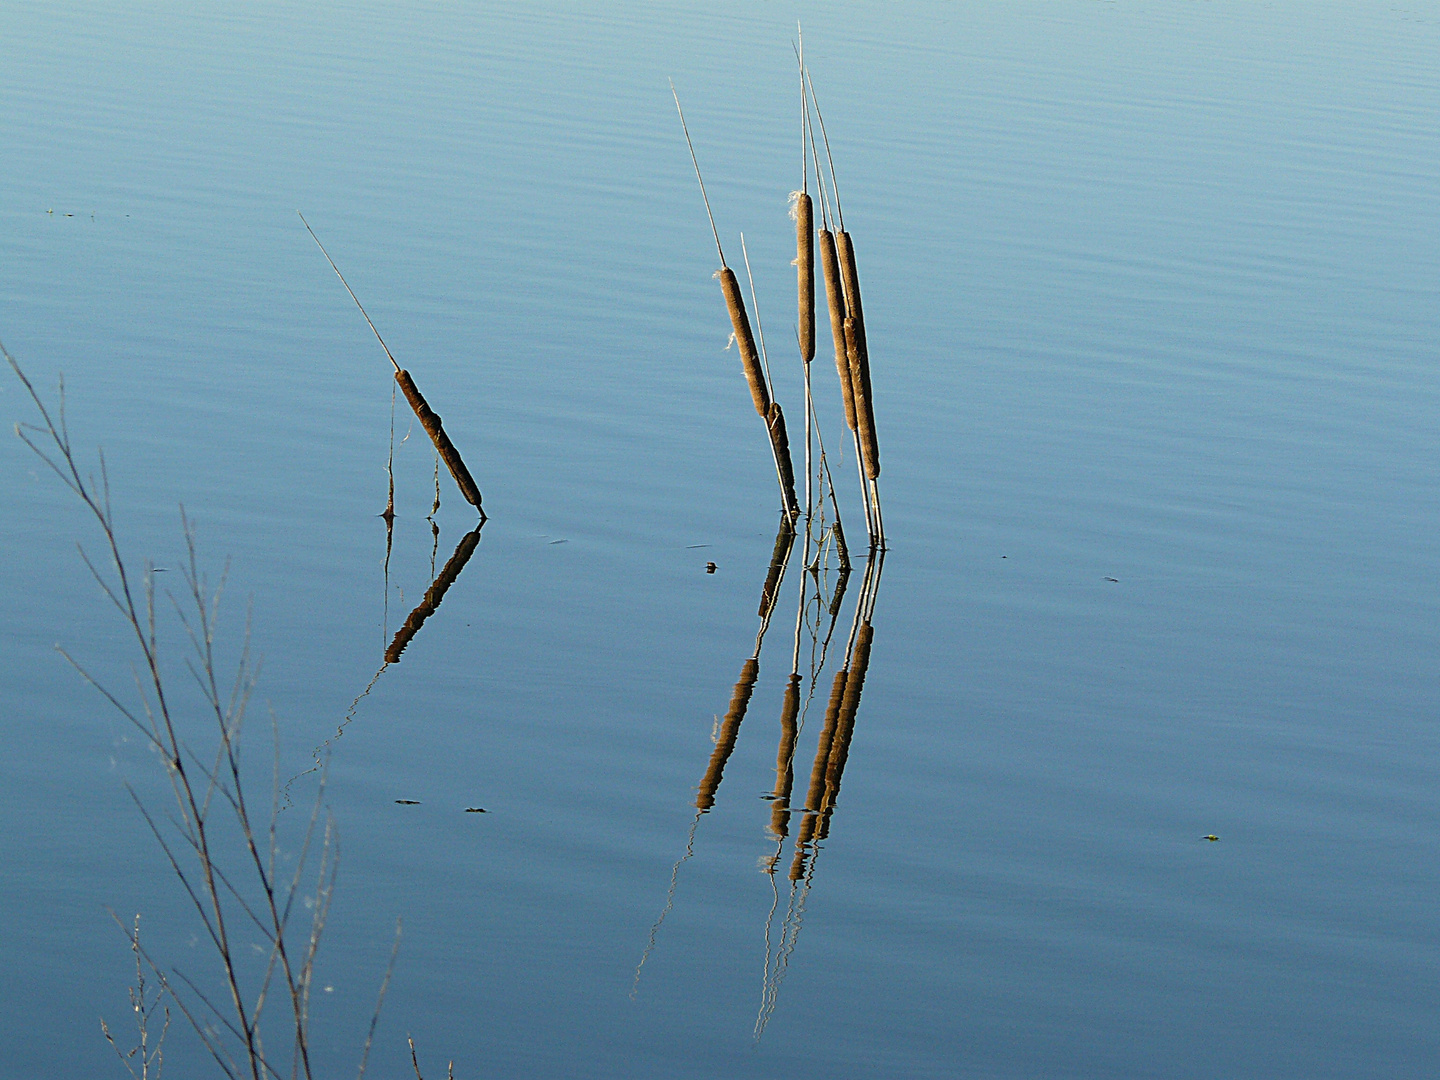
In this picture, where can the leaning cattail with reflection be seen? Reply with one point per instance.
(755, 376)
(745, 341)
(429, 419)
(859, 355)
(864, 415)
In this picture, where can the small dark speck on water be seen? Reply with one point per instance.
(1212, 837)
(710, 568)
(559, 542)
(408, 802)
(476, 810)
(692, 547)
(1114, 579)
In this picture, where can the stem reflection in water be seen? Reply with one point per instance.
(818, 611)
(831, 752)
(428, 605)
(729, 728)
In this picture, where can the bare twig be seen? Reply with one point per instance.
(211, 801)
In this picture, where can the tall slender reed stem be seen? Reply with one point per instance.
(696, 163)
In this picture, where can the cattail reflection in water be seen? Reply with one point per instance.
(429, 604)
(728, 731)
(819, 605)
(831, 753)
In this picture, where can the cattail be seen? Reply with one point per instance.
(433, 595)
(850, 278)
(805, 273)
(745, 339)
(835, 301)
(780, 443)
(430, 421)
(860, 359)
(869, 448)
(729, 732)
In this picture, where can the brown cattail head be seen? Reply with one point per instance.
(860, 358)
(805, 272)
(850, 279)
(864, 415)
(835, 300)
(431, 423)
(749, 358)
(780, 442)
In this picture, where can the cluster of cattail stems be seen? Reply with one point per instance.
(847, 325)
(817, 805)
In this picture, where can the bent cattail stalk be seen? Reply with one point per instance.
(729, 732)
(745, 340)
(780, 443)
(430, 421)
(805, 273)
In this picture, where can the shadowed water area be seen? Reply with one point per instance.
(1152, 313)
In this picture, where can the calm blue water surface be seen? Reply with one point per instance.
(1151, 293)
